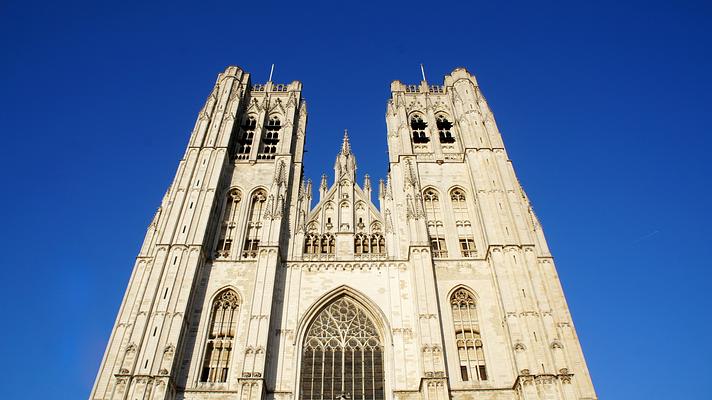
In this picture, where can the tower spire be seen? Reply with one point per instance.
(345, 164)
(345, 145)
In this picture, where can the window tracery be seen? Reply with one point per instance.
(254, 224)
(220, 337)
(470, 349)
(228, 229)
(342, 355)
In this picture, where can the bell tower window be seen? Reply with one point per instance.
(248, 135)
(417, 126)
(270, 139)
(444, 129)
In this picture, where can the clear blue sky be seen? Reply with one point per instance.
(604, 108)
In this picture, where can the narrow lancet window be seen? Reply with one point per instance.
(221, 336)
(470, 350)
(311, 244)
(434, 220)
(228, 229)
(369, 244)
(254, 224)
(316, 244)
(328, 244)
(462, 223)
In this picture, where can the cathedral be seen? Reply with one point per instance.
(252, 284)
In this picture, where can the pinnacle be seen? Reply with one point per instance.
(346, 146)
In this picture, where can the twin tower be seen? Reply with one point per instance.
(251, 286)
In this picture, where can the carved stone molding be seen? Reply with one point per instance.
(345, 266)
(525, 378)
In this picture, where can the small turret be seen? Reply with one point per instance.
(323, 187)
(367, 185)
(308, 190)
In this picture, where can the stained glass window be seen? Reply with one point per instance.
(470, 350)
(342, 355)
(221, 334)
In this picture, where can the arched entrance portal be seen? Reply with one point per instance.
(342, 355)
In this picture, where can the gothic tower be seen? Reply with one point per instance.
(245, 289)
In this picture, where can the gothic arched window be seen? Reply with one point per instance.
(315, 244)
(328, 243)
(378, 244)
(311, 244)
(248, 134)
(417, 126)
(462, 222)
(434, 220)
(228, 229)
(361, 243)
(221, 336)
(470, 350)
(270, 138)
(342, 355)
(444, 129)
(254, 224)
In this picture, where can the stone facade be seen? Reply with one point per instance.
(451, 272)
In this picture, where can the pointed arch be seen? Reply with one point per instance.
(445, 128)
(270, 137)
(258, 206)
(434, 220)
(220, 337)
(247, 136)
(463, 221)
(344, 290)
(468, 338)
(342, 348)
(228, 228)
(418, 128)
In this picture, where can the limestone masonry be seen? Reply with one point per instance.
(248, 287)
